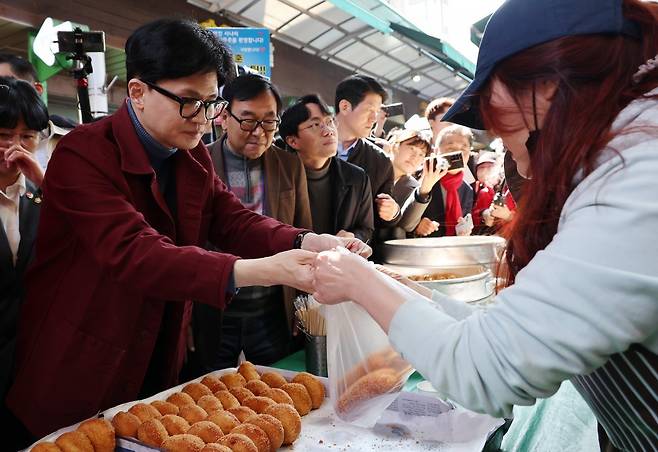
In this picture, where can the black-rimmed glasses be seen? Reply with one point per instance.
(189, 106)
(249, 125)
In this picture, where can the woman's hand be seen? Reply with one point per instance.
(18, 157)
(338, 275)
(341, 276)
(323, 242)
(431, 175)
(501, 212)
(426, 227)
(292, 268)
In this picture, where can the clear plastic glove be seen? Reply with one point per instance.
(387, 208)
(464, 225)
(426, 227)
(323, 242)
(336, 275)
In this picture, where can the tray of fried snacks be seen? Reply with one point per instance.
(248, 409)
(259, 409)
(91, 435)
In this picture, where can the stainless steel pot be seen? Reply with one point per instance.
(474, 284)
(444, 252)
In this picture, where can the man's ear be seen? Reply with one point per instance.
(136, 89)
(291, 140)
(344, 106)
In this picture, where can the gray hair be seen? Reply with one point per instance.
(455, 129)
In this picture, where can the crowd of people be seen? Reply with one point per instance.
(132, 252)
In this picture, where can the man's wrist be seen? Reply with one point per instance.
(252, 272)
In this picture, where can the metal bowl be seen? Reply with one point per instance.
(444, 252)
(472, 284)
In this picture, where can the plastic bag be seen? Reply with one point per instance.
(365, 372)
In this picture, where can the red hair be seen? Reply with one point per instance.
(594, 77)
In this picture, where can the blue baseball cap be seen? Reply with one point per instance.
(520, 24)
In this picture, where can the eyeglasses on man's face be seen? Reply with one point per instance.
(249, 125)
(189, 106)
(315, 126)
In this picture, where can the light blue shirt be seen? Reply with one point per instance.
(344, 153)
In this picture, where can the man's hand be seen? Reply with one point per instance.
(345, 234)
(387, 208)
(324, 242)
(336, 276)
(289, 268)
(426, 227)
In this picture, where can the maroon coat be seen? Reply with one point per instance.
(113, 270)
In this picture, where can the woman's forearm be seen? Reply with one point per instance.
(381, 296)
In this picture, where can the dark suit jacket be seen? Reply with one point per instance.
(436, 210)
(115, 271)
(286, 194)
(379, 168)
(352, 199)
(12, 284)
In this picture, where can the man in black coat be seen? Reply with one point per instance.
(358, 99)
(339, 192)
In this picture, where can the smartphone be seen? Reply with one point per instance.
(78, 40)
(455, 160)
(395, 109)
(437, 162)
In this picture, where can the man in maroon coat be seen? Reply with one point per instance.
(128, 203)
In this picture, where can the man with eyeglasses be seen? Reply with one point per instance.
(260, 320)
(340, 193)
(129, 203)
